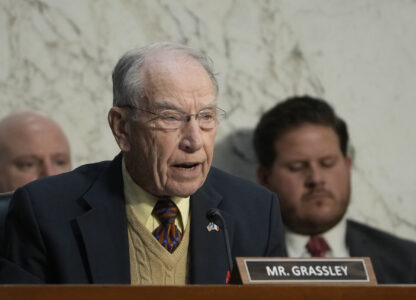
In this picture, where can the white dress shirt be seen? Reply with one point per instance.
(335, 238)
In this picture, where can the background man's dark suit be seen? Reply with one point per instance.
(393, 259)
(4, 205)
(72, 228)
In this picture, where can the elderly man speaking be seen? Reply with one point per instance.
(158, 213)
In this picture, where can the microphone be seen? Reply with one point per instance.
(213, 214)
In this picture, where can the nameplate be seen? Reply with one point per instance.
(357, 270)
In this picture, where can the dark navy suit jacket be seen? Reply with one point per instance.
(72, 228)
(4, 205)
(393, 259)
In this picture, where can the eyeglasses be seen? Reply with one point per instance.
(208, 118)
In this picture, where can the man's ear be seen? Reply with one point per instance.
(348, 161)
(263, 175)
(117, 118)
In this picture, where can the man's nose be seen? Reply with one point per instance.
(314, 176)
(191, 139)
(47, 168)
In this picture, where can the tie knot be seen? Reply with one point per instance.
(166, 211)
(317, 246)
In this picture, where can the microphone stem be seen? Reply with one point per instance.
(227, 242)
(215, 213)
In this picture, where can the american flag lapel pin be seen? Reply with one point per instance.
(212, 226)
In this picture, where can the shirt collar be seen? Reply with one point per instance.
(335, 237)
(143, 202)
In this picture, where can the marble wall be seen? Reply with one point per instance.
(56, 56)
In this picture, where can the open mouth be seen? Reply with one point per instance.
(187, 166)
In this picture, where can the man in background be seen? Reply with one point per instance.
(158, 212)
(301, 146)
(31, 146)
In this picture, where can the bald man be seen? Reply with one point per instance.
(31, 146)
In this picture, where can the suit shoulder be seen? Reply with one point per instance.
(74, 179)
(382, 239)
(393, 258)
(225, 182)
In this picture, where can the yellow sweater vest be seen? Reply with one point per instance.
(150, 263)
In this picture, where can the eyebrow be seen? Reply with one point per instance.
(60, 155)
(165, 104)
(25, 156)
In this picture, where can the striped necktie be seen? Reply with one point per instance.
(167, 233)
(317, 246)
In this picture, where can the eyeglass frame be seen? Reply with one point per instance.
(185, 117)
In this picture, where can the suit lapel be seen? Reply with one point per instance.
(104, 228)
(208, 251)
(359, 247)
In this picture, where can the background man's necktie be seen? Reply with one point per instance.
(167, 233)
(317, 246)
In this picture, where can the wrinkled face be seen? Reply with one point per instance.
(29, 153)
(171, 162)
(311, 177)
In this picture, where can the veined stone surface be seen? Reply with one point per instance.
(57, 56)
